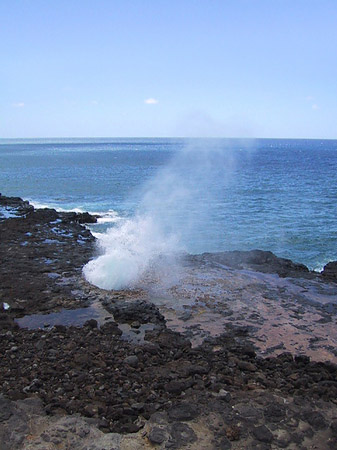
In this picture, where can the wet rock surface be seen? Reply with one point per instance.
(330, 271)
(291, 313)
(41, 252)
(130, 380)
(259, 260)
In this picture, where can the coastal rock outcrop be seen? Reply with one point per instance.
(259, 260)
(41, 250)
(13, 206)
(330, 271)
(131, 380)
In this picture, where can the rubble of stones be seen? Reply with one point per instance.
(92, 372)
(161, 390)
(41, 251)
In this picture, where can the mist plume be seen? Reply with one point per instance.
(174, 208)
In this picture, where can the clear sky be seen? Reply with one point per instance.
(222, 68)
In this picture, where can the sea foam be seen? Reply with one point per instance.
(172, 203)
(128, 250)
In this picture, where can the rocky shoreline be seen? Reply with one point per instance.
(125, 372)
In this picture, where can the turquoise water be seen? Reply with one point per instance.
(278, 195)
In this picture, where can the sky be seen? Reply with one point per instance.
(173, 68)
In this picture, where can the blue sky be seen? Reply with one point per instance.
(221, 68)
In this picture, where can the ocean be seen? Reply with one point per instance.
(194, 195)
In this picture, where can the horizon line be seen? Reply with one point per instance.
(164, 137)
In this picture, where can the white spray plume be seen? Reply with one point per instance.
(128, 250)
(173, 202)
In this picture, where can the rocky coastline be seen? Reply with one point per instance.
(84, 368)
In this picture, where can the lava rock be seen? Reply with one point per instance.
(330, 271)
(259, 260)
(184, 411)
(182, 434)
(131, 361)
(263, 434)
(157, 435)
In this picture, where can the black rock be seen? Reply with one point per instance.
(139, 310)
(315, 419)
(130, 428)
(259, 260)
(175, 387)
(263, 434)
(302, 359)
(275, 412)
(224, 444)
(92, 323)
(333, 427)
(330, 271)
(184, 411)
(182, 434)
(131, 361)
(5, 409)
(111, 328)
(81, 218)
(157, 435)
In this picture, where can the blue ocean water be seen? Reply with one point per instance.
(219, 194)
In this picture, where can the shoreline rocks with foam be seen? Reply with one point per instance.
(98, 386)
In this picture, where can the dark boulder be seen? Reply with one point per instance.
(263, 434)
(81, 218)
(139, 310)
(330, 271)
(184, 412)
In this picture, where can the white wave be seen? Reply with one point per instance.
(110, 216)
(8, 212)
(128, 250)
(105, 216)
(96, 234)
(76, 210)
(39, 205)
(318, 267)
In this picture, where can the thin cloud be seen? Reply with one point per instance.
(151, 101)
(311, 99)
(18, 105)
